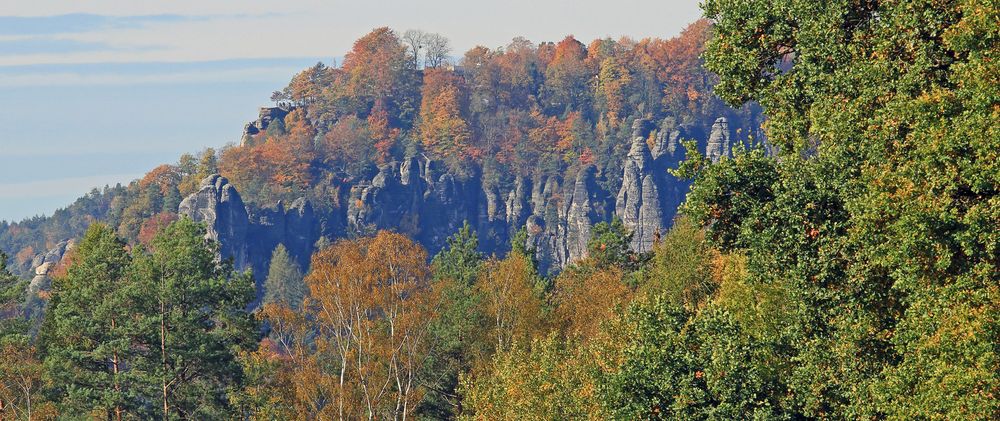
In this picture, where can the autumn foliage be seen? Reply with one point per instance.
(520, 109)
(356, 350)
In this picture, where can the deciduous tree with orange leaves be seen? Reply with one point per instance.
(444, 130)
(356, 351)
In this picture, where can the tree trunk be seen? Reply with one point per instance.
(114, 368)
(163, 357)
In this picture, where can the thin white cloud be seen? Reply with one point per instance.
(243, 29)
(78, 79)
(132, 7)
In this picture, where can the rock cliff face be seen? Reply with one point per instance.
(218, 205)
(638, 203)
(43, 263)
(718, 140)
(266, 116)
(250, 238)
(420, 198)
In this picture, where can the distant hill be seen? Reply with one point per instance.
(549, 138)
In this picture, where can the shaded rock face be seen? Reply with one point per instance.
(264, 119)
(218, 205)
(295, 227)
(419, 198)
(718, 140)
(410, 197)
(250, 238)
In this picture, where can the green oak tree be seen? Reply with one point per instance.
(879, 217)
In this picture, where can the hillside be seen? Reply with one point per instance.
(550, 138)
(555, 231)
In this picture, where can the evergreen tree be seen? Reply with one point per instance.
(194, 324)
(456, 332)
(284, 283)
(92, 329)
(461, 258)
(173, 199)
(12, 300)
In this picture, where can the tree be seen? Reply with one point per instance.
(377, 69)
(584, 297)
(21, 383)
(549, 380)
(510, 290)
(443, 127)
(610, 246)
(873, 217)
(13, 293)
(305, 87)
(567, 78)
(438, 49)
(435, 48)
(284, 285)
(456, 331)
(92, 330)
(367, 316)
(682, 266)
(672, 366)
(20, 370)
(195, 322)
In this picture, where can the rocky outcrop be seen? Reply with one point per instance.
(264, 119)
(295, 227)
(416, 198)
(249, 238)
(639, 203)
(586, 208)
(42, 265)
(419, 197)
(218, 205)
(718, 140)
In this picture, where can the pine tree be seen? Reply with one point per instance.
(92, 329)
(457, 331)
(284, 283)
(195, 323)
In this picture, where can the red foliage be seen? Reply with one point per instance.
(153, 225)
(164, 176)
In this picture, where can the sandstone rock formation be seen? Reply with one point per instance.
(639, 203)
(718, 141)
(249, 238)
(420, 198)
(43, 264)
(218, 205)
(264, 119)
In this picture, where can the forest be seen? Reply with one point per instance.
(841, 263)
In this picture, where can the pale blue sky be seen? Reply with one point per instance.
(99, 92)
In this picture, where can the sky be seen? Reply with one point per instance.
(98, 92)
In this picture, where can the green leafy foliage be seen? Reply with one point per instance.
(873, 219)
(457, 331)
